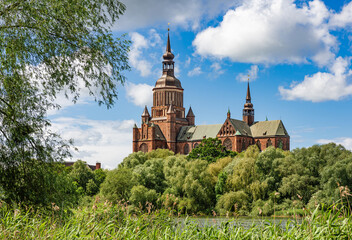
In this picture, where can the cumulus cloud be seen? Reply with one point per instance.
(195, 72)
(137, 61)
(139, 94)
(252, 72)
(184, 13)
(322, 86)
(107, 142)
(270, 32)
(342, 19)
(344, 141)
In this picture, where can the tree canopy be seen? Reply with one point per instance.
(49, 48)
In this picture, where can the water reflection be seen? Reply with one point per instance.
(245, 222)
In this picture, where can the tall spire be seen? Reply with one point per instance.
(168, 56)
(248, 97)
(168, 45)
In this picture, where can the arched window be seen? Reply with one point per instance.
(186, 149)
(195, 145)
(143, 148)
(228, 144)
(259, 145)
(269, 143)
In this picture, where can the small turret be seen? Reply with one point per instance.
(190, 117)
(145, 115)
(228, 114)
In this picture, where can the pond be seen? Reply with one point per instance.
(245, 222)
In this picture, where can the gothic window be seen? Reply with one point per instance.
(259, 145)
(228, 144)
(269, 143)
(244, 144)
(280, 144)
(186, 149)
(143, 148)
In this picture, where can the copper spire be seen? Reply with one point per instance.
(168, 54)
(248, 98)
(168, 46)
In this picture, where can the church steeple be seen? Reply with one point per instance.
(167, 88)
(248, 111)
(168, 63)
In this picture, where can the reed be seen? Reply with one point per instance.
(104, 220)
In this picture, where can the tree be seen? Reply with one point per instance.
(50, 47)
(210, 149)
(118, 184)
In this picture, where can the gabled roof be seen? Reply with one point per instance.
(268, 128)
(194, 133)
(241, 126)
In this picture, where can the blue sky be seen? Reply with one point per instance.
(297, 53)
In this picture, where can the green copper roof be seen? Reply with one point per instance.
(237, 133)
(193, 133)
(242, 127)
(268, 128)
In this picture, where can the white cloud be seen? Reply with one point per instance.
(137, 61)
(252, 72)
(344, 141)
(139, 94)
(322, 86)
(342, 19)
(184, 13)
(195, 72)
(107, 142)
(270, 32)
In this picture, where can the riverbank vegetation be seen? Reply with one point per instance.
(115, 221)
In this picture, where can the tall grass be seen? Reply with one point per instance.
(118, 221)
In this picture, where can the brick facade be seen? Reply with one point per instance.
(168, 127)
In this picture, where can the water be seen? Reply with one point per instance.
(245, 222)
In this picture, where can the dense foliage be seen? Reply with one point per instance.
(210, 149)
(50, 48)
(251, 183)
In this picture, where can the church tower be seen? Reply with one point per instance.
(168, 89)
(248, 111)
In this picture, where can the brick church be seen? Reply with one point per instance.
(168, 127)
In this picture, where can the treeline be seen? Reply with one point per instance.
(250, 183)
(210, 180)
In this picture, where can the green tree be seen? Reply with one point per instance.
(81, 173)
(50, 47)
(118, 184)
(210, 149)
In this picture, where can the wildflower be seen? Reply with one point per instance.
(277, 193)
(17, 211)
(56, 208)
(260, 211)
(299, 196)
(94, 207)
